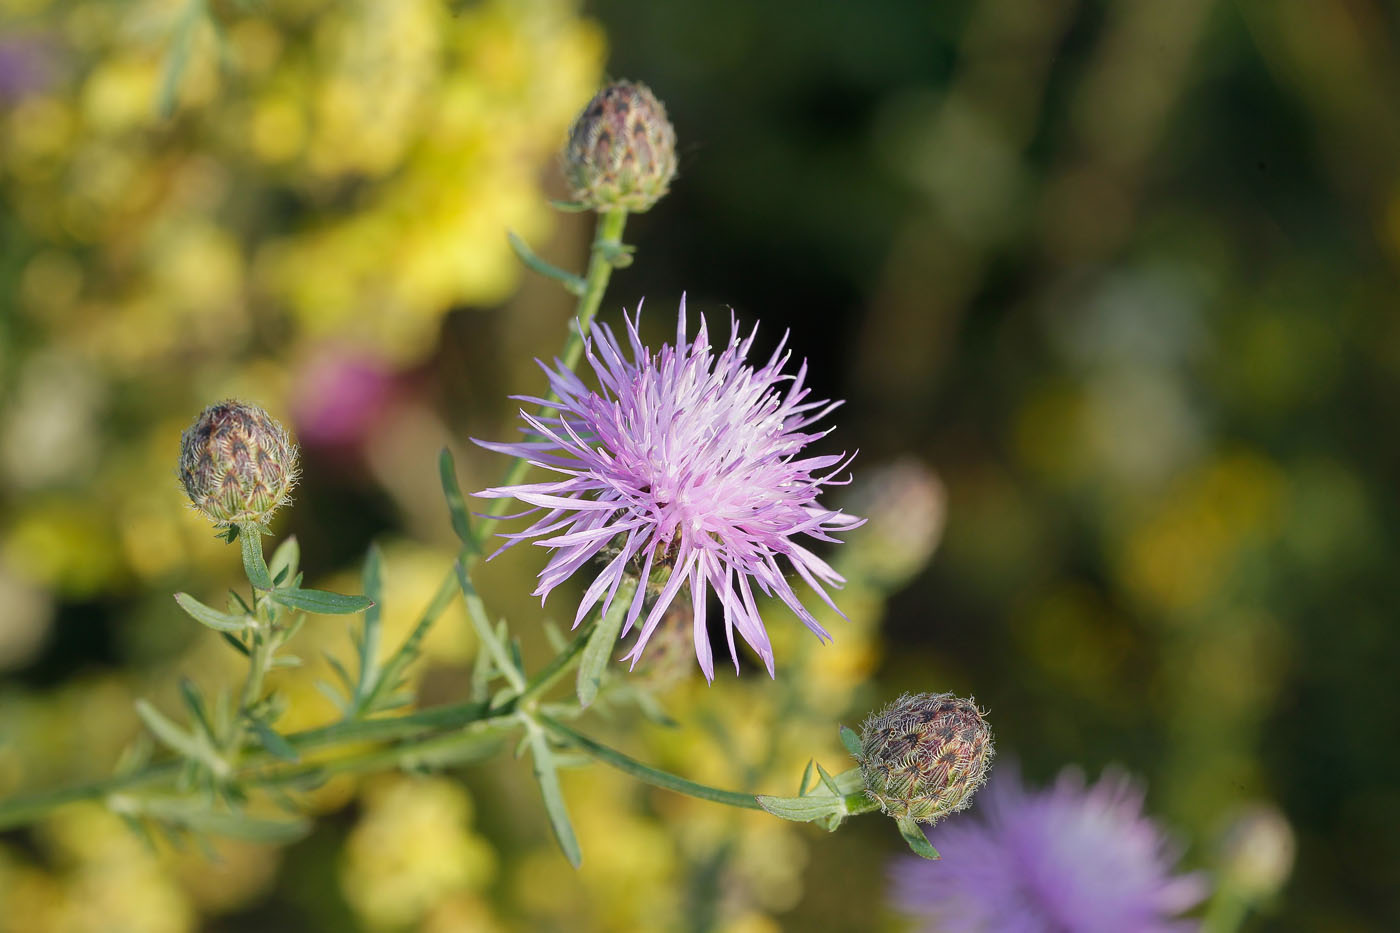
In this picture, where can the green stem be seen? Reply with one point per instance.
(418, 730)
(1226, 911)
(607, 237)
(560, 665)
(653, 776)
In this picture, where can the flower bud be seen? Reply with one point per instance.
(904, 505)
(237, 463)
(622, 150)
(924, 756)
(1256, 852)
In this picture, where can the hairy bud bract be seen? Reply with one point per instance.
(622, 150)
(924, 756)
(237, 463)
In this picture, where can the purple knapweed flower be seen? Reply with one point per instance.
(1066, 858)
(690, 459)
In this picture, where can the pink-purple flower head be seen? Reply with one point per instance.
(1068, 857)
(688, 458)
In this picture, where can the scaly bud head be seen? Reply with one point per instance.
(622, 150)
(237, 463)
(924, 756)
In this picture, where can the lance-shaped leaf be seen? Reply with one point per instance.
(367, 643)
(546, 772)
(601, 644)
(831, 801)
(195, 703)
(851, 740)
(194, 816)
(320, 601)
(220, 621)
(276, 746)
(913, 834)
(250, 539)
(456, 502)
(180, 741)
(283, 566)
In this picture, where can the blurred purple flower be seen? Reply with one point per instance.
(339, 396)
(688, 460)
(1066, 859)
(26, 65)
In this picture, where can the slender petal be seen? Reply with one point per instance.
(685, 460)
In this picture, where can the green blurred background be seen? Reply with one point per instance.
(1123, 274)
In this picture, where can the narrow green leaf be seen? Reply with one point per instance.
(806, 778)
(135, 756)
(453, 750)
(476, 610)
(190, 815)
(483, 671)
(569, 207)
(913, 834)
(395, 701)
(250, 539)
(140, 831)
(652, 709)
(618, 255)
(285, 560)
(802, 809)
(553, 635)
(601, 644)
(178, 57)
(367, 642)
(851, 740)
(849, 782)
(293, 627)
(456, 502)
(828, 782)
(330, 693)
(274, 743)
(573, 284)
(345, 679)
(195, 703)
(237, 645)
(177, 739)
(320, 601)
(219, 621)
(542, 760)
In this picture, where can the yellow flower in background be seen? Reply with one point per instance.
(330, 169)
(411, 850)
(109, 881)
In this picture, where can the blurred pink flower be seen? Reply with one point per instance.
(339, 397)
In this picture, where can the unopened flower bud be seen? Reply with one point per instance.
(1256, 852)
(237, 464)
(622, 150)
(904, 505)
(924, 756)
